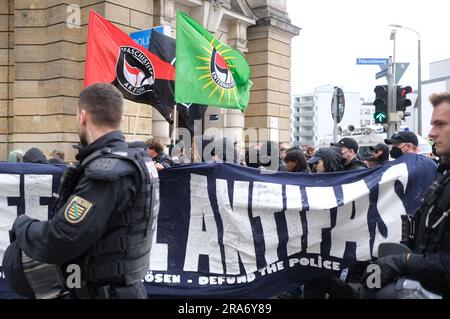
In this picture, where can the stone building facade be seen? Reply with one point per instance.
(43, 49)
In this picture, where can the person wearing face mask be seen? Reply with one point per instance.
(405, 144)
(349, 151)
(102, 220)
(402, 142)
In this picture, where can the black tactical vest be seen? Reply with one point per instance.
(433, 227)
(121, 257)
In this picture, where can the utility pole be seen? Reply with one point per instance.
(392, 92)
(419, 77)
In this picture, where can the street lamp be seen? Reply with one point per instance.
(419, 77)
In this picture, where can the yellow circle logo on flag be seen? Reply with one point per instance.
(217, 72)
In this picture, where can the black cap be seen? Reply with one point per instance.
(384, 151)
(316, 157)
(380, 147)
(348, 143)
(403, 137)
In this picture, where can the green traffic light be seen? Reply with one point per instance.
(380, 118)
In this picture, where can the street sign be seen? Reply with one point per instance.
(213, 117)
(372, 61)
(381, 74)
(338, 97)
(400, 69)
(143, 37)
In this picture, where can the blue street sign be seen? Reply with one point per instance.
(372, 61)
(381, 74)
(143, 37)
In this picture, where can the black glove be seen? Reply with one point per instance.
(391, 267)
(17, 227)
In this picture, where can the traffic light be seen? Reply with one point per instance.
(402, 101)
(381, 105)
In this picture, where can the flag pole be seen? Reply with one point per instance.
(135, 122)
(175, 123)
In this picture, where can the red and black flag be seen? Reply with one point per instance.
(164, 47)
(114, 57)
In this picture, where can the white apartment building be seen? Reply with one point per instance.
(311, 115)
(367, 111)
(439, 82)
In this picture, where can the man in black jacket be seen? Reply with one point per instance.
(102, 220)
(349, 151)
(156, 152)
(430, 260)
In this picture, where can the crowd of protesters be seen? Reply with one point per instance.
(340, 156)
(35, 155)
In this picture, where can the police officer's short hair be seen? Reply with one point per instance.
(104, 102)
(438, 98)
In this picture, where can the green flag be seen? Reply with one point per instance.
(208, 71)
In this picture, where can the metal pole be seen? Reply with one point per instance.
(419, 78)
(394, 71)
(175, 124)
(390, 124)
(419, 89)
(392, 92)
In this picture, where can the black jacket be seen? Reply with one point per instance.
(164, 160)
(58, 241)
(430, 262)
(354, 164)
(88, 216)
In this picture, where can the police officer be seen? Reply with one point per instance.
(429, 262)
(102, 220)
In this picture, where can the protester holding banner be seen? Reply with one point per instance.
(349, 151)
(326, 159)
(35, 155)
(15, 156)
(101, 222)
(156, 152)
(296, 161)
(430, 233)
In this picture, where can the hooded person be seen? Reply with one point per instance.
(326, 159)
(35, 155)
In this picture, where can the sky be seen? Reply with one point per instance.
(335, 33)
